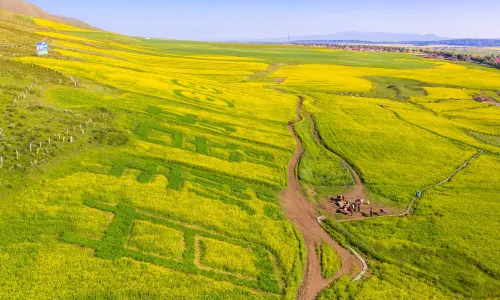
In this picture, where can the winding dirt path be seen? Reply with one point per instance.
(303, 213)
(359, 190)
(412, 203)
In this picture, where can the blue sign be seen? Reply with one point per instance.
(42, 49)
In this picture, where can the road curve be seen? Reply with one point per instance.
(302, 212)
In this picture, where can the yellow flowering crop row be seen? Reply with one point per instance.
(60, 26)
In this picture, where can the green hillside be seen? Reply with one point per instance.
(161, 169)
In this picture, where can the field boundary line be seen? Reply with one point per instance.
(399, 117)
(356, 179)
(303, 214)
(412, 202)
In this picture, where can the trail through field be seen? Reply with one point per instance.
(412, 203)
(303, 213)
(358, 192)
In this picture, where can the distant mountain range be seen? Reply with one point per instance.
(378, 37)
(24, 8)
(450, 42)
(348, 37)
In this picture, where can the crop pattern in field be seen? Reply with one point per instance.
(161, 162)
(172, 168)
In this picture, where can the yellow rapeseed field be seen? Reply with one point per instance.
(60, 26)
(349, 79)
(440, 93)
(154, 168)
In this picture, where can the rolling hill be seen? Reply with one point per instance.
(162, 169)
(25, 8)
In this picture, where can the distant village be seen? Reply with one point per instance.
(490, 60)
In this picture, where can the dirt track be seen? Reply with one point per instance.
(303, 213)
(410, 206)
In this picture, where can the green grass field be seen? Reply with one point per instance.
(321, 172)
(330, 261)
(446, 241)
(161, 163)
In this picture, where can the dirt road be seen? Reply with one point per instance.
(302, 212)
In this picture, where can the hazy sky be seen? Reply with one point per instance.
(236, 19)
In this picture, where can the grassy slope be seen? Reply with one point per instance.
(387, 281)
(400, 147)
(186, 108)
(170, 145)
(330, 261)
(320, 172)
(363, 132)
(446, 241)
